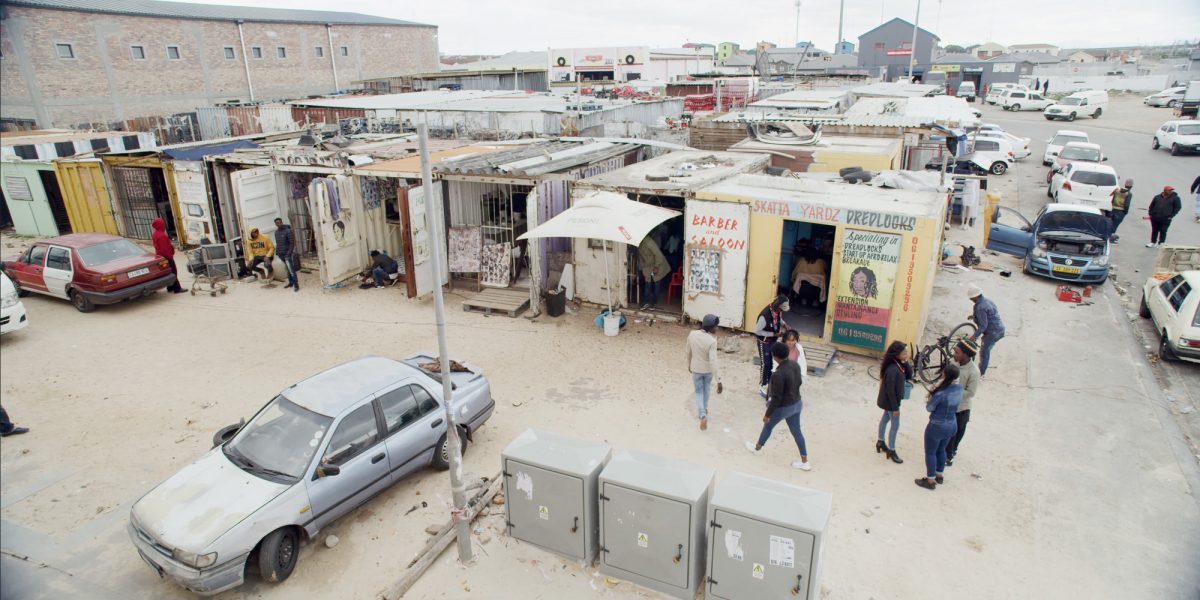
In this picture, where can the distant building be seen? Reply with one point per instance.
(844, 48)
(890, 46)
(763, 47)
(629, 63)
(1081, 57)
(725, 50)
(1034, 48)
(988, 50)
(741, 63)
(86, 62)
(1194, 67)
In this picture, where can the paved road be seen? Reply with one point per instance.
(1125, 133)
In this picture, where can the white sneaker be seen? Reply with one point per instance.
(1150, 245)
(803, 466)
(752, 449)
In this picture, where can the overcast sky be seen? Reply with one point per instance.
(495, 27)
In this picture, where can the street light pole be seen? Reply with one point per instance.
(458, 512)
(912, 61)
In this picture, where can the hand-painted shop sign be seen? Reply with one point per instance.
(945, 68)
(866, 282)
(900, 52)
(309, 157)
(847, 216)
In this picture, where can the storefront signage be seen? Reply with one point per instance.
(972, 69)
(308, 157)
(1004, 68)
(945, 68)
(900, 52)
(717, 241)
(866, 281)
(828, 214)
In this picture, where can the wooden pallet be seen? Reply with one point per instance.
(820, 358)
(510, 302)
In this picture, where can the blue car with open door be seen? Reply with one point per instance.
(1067, 242)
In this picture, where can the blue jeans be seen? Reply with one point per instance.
(293, 268)
(381, 276)
(703, 384)
(1117, 217)
(651, 290)
(790, 414)
(937, 437)
(888, 417)
(985, 351)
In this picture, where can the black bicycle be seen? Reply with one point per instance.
(933, 358)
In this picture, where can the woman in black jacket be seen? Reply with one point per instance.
(894, 372)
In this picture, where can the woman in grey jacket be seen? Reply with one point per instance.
(894, 372)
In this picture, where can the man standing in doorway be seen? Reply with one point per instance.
(768, 329)
(285, 249)
(988, 325)
(701, 352)
(968, 378)
(655, 268)
(1162, 209)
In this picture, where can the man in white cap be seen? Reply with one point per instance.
(988, 325)
(701, 352)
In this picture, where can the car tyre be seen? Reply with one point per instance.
(81, 303)
(21, 293)
(1175, 150)
(441, 457)
(1015, 107)
(278, 553)
(1049, 118)
(999, 168)
(1049, 192)
(1164, 349)
(1099, 111)
(1154, 145)
(1071, 117)
(1172, 103)
(1144, 309)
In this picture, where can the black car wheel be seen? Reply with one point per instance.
(1144, 309)
(1172, 103)
(1155, 145)
(1071, 117)
(81, 303)
(1016, 107)
(1099, 111)
(1164, 349)
(1175, 150)
(278, 554)
(441, 458)
(999, 167)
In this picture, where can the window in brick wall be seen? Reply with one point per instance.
(65, 50)
(229, 53)
(131, 142)
(256, 51)
(26, 151)
(173, 52)
(345, 50)
(137, 52)
(100, 144)
(64, 149)
(280, 52)
(318, 51)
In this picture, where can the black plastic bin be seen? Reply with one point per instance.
(556, 302)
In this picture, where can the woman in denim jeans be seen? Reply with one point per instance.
(894, 372)
(942, 406)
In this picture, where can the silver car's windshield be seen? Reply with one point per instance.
(1084, 154)
(280, 441)
(1071, 101)
(1063, 140)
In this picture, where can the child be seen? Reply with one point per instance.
(795, 350)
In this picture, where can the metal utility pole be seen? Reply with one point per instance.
(797, 42)
(841, 20)
(912, 57)
(432, 224)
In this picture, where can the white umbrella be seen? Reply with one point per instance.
(605, 216)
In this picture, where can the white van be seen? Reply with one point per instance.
(966, 90)
(1089, 103)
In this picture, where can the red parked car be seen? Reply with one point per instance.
(89, 269)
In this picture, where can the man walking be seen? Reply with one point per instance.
(988, 325)
(285, 249)
(1162, 209)
(783, 404)
(1122, 200)
(968, 378)
(701, 353)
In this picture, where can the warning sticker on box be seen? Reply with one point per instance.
(783, 552)
(757, 571)
(643, 540)
(733, 544)
(543, 513)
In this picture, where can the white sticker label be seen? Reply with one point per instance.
(733, 544)
(757, 572)
(543, 513)
(643, 540)
(783, 552)
(525, 484)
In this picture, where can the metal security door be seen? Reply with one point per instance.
(336, 218)
(135, 194)
(545, 508)
(645, 534)
(752, 559)
(257, 199)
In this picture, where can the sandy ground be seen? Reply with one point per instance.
(1070, 483)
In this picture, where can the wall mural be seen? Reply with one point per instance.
(496, 265)
(466, 245)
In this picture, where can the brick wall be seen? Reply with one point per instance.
(105, 81)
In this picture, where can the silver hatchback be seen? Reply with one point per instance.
(319, 449)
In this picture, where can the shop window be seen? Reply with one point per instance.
(137, 52)
(256, 52)
(280, 52)
(173, 53)
(229, 53)
(65, 50)
(319, 52)
(64, 149)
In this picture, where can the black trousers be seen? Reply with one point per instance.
(174, 287)
(962, 417)
(1158, 229)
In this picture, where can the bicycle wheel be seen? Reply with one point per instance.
(930, 363)
(873, 372)
(967, 329)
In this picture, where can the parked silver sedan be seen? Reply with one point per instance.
(315, 452)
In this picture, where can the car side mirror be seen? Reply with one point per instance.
(328, 470)
(1104, 158)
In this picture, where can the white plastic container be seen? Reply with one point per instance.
(612, 324)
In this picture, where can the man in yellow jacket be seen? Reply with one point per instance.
(260, 251)
(655, 269)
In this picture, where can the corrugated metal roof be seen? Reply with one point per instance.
(213, 12)
(463, 100)
(535, 159)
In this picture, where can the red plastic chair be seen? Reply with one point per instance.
(676, 283)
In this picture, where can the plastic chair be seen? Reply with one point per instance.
(676, 282)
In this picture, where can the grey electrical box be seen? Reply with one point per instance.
(765, 539)
(550, 491)
(652, 517)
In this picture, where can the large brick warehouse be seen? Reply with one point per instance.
(71, 62)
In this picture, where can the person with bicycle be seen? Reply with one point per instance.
(988, 326)
(968, 377)
(769, 329)
(942, 406)
(894, 375)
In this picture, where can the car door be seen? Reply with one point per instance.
(1170, 137)
(58, 271)
(414, 422)
(1159, 304)
(1010, 233)
(1174, 321)
(1016, 99)
(357, 450)
(29, 269)
(1036, 101)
